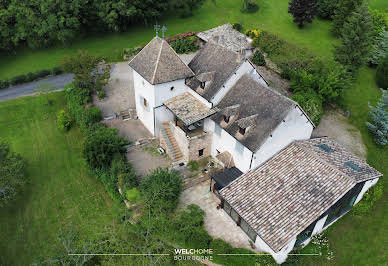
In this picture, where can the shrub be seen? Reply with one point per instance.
(237, 26)
(184, 45)
(311, 103)
(126, 176)
(42, 73)
(63, 120)
(161, 189)
(31, 76)
(132, 194)
(110, 183)
(379, 49)
(368, 199)
(325, 8)
(100, 146)
(253, 33)
(193, 165)
(378, 126)
(18, 79)
(382, 73)
(12, 174)
(4, 84)
(56, 70)
(249, 7)
(258, 58)
(92, 115)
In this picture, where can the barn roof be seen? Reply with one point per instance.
(286, 194)
(158, 63)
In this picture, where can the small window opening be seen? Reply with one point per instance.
(172, 88)
(226, 119)
(200, 152)
(203, 85)
(353, 166)
(325, 148)
(145, 102)
(242, 130)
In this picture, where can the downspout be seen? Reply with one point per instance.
(250, 165)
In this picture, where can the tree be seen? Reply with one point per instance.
(382, 73)
(303, 11)
(379, 48)
(187, 7)
(100, 146)
(343, 10)
(355, 39)
(63, 120)
(326, 8)
(378, 126)
(12, 174)
(90, 71)
(258, 58)
(161, 189)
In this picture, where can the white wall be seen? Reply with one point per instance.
(279, 256)
(162, 114)
(163, 91)
(368, 184)
(295, 127)
(245, 67)
(226, 142)
(145, 90)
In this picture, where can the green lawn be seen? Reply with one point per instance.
(61, 193)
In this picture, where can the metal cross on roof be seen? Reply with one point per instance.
(164, 29)
(157, 28)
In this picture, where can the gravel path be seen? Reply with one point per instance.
(58, 82)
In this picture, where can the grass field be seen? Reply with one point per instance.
(61, 193)
(58, 171)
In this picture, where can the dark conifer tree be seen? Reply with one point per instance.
(343, 10)
(303, 11)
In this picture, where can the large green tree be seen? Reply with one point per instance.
(378, 125)
(341, 13)
(382, 73)
(356, 39)
(303, 11)
(12, 174)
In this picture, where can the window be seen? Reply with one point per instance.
(217, 130)
(239, 148)
(145, 104)
(226, 119)
(353, 166)
(203, 85)
(200, 152)
(241, 130)
(325, 148)
(172, 88)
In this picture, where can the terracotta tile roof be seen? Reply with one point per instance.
(188, 109)
(227, 37)
(290, 191)
(158, 63)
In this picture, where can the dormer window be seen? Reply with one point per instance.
(203, 84)
(241, 130)
(226, 119)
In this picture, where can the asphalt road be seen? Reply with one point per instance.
(57, 82)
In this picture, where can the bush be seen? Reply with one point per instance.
(311, 103)
(249, 7)
(18, 79)
(237, 26)
(258, 58)
(253, 33)
(100, 146)
(132, 194)
(378, 125)
(193, 165)
(126, 177)
(326, 8)
(42, 73)
(12, 174)
(56, 70)
(4, 84)
(161, 189)
(92, 115)
(369, 198)
(382, 73)
(184, 45)
(63, 120)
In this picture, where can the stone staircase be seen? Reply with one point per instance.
(172, 147)
(128, 114)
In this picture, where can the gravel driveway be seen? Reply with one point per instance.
(58, 82)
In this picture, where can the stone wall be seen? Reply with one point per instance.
(197, 143)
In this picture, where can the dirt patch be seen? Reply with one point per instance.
(131, 130)
(145, 161)
(335, 126)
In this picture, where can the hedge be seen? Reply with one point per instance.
(311, 103)
(31, 76)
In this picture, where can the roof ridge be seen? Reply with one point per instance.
(143, 49)
(157, 63)
(314, 154)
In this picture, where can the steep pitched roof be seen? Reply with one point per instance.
(286, 194)
(214, 62)
(158, 63)
(253, 105)
(227, 37)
